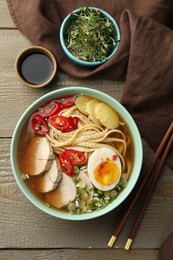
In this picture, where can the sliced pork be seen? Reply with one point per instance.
(38, 157)
(63, 194)
(48, 181)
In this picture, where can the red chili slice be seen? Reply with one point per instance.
(61, 123)
(68, 102)
(39, 124)
(114, 157)
(66, 164)
(51, 109)
(73, 122)
(76, 157)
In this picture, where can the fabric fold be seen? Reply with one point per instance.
(165, 251)
(144, 57)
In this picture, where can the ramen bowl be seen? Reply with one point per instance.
(84, 60)
(125, 120)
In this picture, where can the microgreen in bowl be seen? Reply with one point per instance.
(90, 35)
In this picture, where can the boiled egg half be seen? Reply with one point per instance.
(104, 169)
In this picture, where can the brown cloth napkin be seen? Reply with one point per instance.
(144, 57)
(166, 249)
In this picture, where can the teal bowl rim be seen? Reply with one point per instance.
(137, 148)
(87, 63)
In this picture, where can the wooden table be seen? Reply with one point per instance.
(28, 233)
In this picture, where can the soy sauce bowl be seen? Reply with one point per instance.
(36, 66)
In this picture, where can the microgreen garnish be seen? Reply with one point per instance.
(91, 36)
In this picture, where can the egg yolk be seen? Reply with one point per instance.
(106, 173)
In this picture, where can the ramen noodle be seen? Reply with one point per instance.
(89, 154)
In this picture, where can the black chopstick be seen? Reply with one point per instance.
(167, 136)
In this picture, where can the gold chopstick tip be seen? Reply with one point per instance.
(128, 244)
(111, 241)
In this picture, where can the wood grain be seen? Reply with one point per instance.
(20, 97)
(74, 254)
(19, 215)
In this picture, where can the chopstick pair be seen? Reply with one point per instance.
(162, 152)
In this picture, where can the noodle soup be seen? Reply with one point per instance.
(76, 154)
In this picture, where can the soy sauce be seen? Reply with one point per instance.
(36, 68)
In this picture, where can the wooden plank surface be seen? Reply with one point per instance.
(40, 236)
(12, 89)
(19, 215)
(74, 254)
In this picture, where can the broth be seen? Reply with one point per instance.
(24, 152)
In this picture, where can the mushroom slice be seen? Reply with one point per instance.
(39, 156)
(48, 181)
(63, 194)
